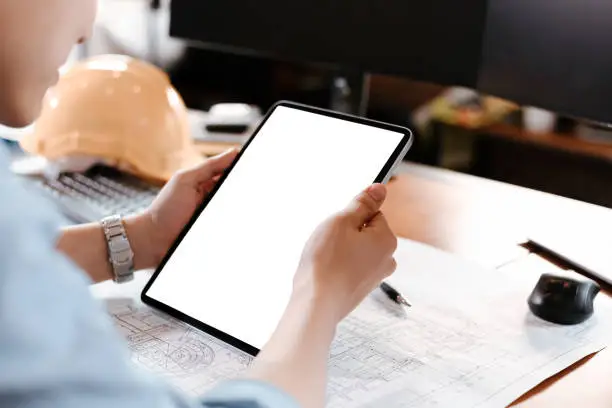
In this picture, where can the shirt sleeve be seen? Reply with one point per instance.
(58, 346)
(248, 394)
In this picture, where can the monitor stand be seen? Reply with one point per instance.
(350, 93)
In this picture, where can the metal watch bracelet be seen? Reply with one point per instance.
(120, 254)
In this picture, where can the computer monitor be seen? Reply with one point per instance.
(438, 39)
(551, 54)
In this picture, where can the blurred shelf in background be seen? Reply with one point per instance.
(555, 162)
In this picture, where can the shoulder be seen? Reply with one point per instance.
(22, 208)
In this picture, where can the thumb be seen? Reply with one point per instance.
(212, 166)
(367, 204)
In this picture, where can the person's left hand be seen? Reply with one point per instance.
(177, 201)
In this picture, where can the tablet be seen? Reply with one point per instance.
(230, 272)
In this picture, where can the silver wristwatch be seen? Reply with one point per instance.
(120, 253)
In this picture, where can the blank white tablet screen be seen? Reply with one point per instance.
(234, 269)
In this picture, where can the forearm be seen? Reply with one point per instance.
(295, 359)
(86, 246)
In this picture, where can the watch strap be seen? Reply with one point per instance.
(120, 254)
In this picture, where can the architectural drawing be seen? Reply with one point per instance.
(469, 342)
(438, 357)
(187, 357)
(381, 356)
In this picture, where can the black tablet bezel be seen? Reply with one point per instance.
(401, 150)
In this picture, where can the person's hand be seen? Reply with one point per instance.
(348, 255)
(177, 201)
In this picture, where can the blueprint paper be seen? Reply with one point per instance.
(468, 341)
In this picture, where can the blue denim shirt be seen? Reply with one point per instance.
(58, 348)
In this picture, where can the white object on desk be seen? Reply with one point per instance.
(538, 120)
(469, 340)
(198, 121)
(233, 114)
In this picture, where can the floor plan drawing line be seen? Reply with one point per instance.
(187, 357)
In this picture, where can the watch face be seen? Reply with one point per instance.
(112, 221)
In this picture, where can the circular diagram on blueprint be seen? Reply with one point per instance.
(178, 356)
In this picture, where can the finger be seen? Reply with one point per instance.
(391, 267)
(383, 234)
(387, 269)
(392, 240)
(378, 221)
(212, 166)
(206, 187)
(366, 206)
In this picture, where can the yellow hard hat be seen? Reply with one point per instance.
(119, 109)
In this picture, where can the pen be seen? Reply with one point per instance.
(394, 295)
(560, 259)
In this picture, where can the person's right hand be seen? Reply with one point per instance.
(348, 255)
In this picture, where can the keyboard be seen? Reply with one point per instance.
(100, 192)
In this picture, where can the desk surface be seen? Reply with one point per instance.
(487, 221)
